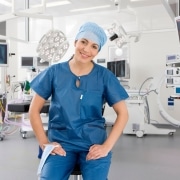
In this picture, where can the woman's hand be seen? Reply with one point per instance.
(97, 151)
(57, 150)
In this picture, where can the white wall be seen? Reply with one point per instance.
(147, 57)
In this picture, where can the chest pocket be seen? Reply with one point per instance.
(91, 105)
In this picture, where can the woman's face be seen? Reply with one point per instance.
(85, 50)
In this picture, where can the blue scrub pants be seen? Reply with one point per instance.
(60, 167)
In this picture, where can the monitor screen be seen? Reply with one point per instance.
(27, 62)
(119, 68)
(177, 90)
(4, 54)
(112, 66)
(177, 23)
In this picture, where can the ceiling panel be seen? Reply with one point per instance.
(137, 15)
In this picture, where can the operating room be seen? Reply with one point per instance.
(143, 41)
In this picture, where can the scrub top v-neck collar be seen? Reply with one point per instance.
(85, 75)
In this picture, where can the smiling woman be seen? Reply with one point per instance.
(78, 89)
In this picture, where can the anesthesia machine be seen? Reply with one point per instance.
(51, 48)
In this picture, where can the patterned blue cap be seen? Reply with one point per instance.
(92, 32)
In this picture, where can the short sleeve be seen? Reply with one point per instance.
(114, 91)
(42, 83)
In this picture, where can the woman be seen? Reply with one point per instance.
(78, 89)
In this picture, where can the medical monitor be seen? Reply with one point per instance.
(177, 90)
(4, 54)
(177, 24)
(27, 62)
(120, 68)
(40, 64)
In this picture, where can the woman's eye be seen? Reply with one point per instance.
(83, 42)
(95, 47)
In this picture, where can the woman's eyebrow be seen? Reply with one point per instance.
(89, 41)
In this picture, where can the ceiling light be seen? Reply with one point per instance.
(120, 41)
(5, 3)
(52, 46)
(119, 52)
(90, 8)
(137, 0)
(53, 4)
(60, 3)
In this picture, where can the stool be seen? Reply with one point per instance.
(76, 172)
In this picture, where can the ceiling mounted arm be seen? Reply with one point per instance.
(35, 12)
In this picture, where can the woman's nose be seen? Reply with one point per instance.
(87, 48)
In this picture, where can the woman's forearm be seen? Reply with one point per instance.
(119, 125)
(116, 131)
(38, 129)
(35, 119)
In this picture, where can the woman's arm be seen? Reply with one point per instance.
(37, 126)
(35, 119)
(122, 117)
(98, 151)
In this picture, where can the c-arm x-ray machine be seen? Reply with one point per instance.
(139, 122)
(139, 115)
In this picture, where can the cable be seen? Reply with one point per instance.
(146, 100)
(9, 129)
(142, 86)
(5, 130)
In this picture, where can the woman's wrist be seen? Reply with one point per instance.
(42, 145)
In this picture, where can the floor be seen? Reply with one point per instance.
(152, 157)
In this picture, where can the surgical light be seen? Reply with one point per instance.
(121, 40)
(117, 34)
(113, 37)
(119, 52)
(52, 46)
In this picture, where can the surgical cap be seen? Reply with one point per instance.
(93, 32)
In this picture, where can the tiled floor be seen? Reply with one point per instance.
(153, 157)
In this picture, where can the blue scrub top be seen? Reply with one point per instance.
(75, 114)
